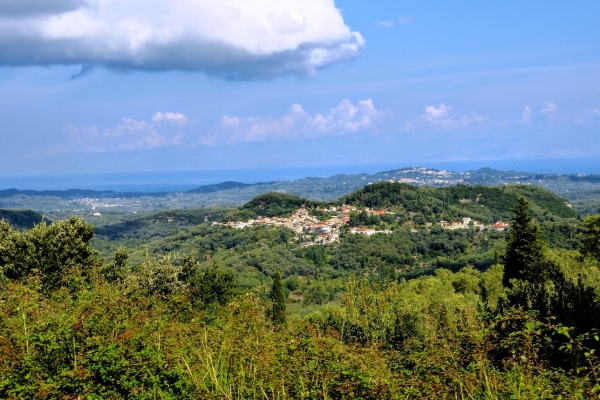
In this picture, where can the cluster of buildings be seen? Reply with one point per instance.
(94, 204)
(309, 229)
(312, 231)
(303, 224)
(424, 176)
(467, 222)
(366, 231)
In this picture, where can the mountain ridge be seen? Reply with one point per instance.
(419, 176)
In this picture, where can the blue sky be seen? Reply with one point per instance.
(112, 86)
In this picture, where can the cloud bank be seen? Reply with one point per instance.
(443, 117)
(342, 119)
(251, 39)
(129, 135)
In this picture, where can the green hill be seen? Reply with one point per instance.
(483, 202)
(21, 219)
(411, 207)
(272, 204)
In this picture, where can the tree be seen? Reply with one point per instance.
(278, 298)
(14, 252)
(213, 286)
(61, 253)
(116, 271)
(189, 267)
(525, 245)
(591, 237)
(160, 277)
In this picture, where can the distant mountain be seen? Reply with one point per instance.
(225, 186)
(232, 194)
(21, 219)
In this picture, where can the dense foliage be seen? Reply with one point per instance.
(199, 312)
(47, 251)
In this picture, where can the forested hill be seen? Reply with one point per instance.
(20, 219)
(482, 202)
(271, 205)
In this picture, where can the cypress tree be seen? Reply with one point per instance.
(278, 298)
(524, 245)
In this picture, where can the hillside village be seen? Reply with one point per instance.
(421, 176)
(312, 231)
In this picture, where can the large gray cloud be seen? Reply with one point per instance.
(228, 38)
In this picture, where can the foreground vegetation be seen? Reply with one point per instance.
(206, 318)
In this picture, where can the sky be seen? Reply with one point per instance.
(94, 86)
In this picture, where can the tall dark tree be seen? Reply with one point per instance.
(278, 298)
(525, 245)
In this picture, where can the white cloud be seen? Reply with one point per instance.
(385, 24)
(526, 115)
(442, 117)
(229, 38)
(129, 135)
(169, 117)
(404, 20)
(342, 119)
(549, 109)
(593, 111)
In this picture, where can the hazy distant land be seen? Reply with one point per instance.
(56, 204)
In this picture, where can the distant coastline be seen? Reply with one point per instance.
(177, 181)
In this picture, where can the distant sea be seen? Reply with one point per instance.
(173, 181)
